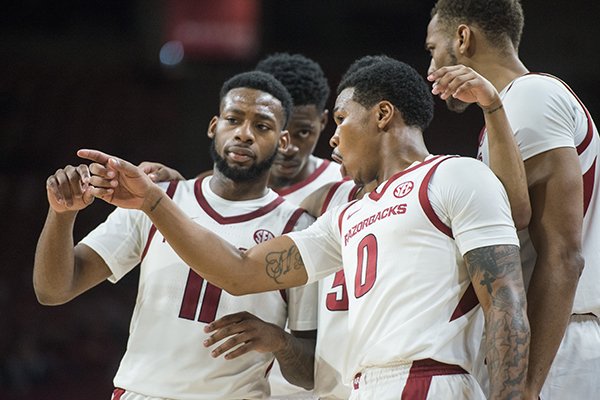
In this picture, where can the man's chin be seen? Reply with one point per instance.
(456, 106)
(284, 172)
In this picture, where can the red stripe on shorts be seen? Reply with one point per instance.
(420, 374)
(117, 393)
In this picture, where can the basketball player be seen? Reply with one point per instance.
(559, 144)
(165, 356)
(333, 298)
(430, 248)
(295, 173)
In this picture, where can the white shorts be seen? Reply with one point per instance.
(575, 372)
(419, 380)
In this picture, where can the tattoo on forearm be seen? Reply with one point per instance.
(492, 110)
(497, 270)
(155, 204)
(279, 263)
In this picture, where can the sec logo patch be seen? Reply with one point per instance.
(403, 189)
(262, 235)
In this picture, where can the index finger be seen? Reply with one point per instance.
(438, 73)
(94, 155)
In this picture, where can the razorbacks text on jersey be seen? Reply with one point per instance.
(402, 247)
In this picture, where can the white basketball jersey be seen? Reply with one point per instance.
(402, 247)
(545, 114)
(165, 357)
(332, 335)
(325, 172)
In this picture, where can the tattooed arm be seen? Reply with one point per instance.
(272, 265)
(297, 358)
(237, 334)
(495, 272)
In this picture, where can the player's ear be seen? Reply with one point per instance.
(385, 113)
(284, 140)
(465, 40)
(212, 127)
(324, 119)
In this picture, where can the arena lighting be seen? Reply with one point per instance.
(205, 29)
(171, 53)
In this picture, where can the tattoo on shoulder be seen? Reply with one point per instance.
(279, 263)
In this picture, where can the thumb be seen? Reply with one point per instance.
(147, 167)
(123, 166)
(88, 197)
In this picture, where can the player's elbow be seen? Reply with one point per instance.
(306, 382)
(570, 263)
(48, 294)
(49, 298)
(307, 385)
(574, 264)
(522, 215)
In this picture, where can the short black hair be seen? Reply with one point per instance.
(264, 82)
(396, 82)
(499, 19)
(301, 76)
(364, 62)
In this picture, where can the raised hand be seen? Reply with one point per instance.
(246, 329)
(159, 172)
(116, 181)
(464, 84)
(68, 189)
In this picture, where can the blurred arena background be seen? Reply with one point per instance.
(140, 79)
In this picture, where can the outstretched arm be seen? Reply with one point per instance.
(496, 276)
(505, 158)
(62, 271)
(272, 265)
(245, 332)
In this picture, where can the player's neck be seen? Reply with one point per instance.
(228, 189)
(500, 68)
(401, 151)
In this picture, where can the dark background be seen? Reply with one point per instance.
(79, 73)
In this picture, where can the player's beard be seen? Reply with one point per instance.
(240, 174)
(453, 104)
